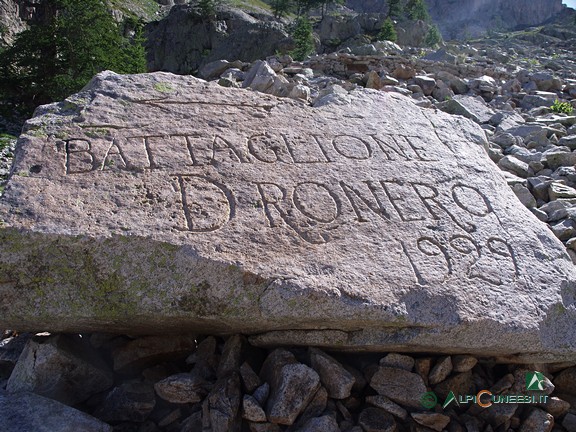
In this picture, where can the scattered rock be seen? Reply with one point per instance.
(403, 387)
(31, 412)
(376, 420)
(337, 380)
(60, 367)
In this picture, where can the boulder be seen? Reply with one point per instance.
(61, 367)
(30, 412)
(155, 203)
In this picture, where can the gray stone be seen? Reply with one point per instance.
(514, 165)
(557, 190)
(396, 360)
(325, 423)
(537, 421)
(472, 107)
(264, 427)
(422, 366)
(224, 403)
(337, 380)
(387, 405)
(546, 81)
(216, 68)
(568, 141)
(261, 393)
(182, 388)
(373, 80)
(300, 91)
(569, 422)
(403, 387)
(260, 77)
(426, 83)
(524, 195)
(484, 83)
(556, 406)
(290, 392)
(23, 412)
(498, 414)
(147, 351)
(235, 212)
(475, 105)
(441, 370)
(376, 420)
(231, 355)
(61, 367)
(558, 157)
(435, 421)
(130, 401)
(564, 229)
(315, 407)
(251, 410)
(250, 379)
(463, 363)
(457, 84)
(565, 381)
(204, 358)
(461, 383)
(10, 350)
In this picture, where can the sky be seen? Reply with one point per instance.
(571, 3)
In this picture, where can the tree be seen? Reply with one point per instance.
(433, 37)
(388, 32)
(303, 40)
(281, 7)
(416, 10)
(53, 59)
(207, 8)
(394, 8)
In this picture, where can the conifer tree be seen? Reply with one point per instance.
(433, 37)
(53, 59)
(303, 39)
(388, 32)
(416, 10)
(394, 8)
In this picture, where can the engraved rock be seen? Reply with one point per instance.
(154, 203)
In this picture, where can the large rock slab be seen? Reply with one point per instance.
(152, 203)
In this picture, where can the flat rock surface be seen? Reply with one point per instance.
(155, 202)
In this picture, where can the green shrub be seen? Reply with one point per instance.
(562, 107)
(388, 32)
(433, 37)
(303, 40)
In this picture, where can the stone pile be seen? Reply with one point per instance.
(104, 382)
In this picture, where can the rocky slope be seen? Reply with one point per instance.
(474, 17)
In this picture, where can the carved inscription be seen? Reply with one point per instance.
(179, 152)
(206, 205)
(436, 259)
(315, 210)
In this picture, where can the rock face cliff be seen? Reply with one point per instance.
(184, 40)
(459, 19)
